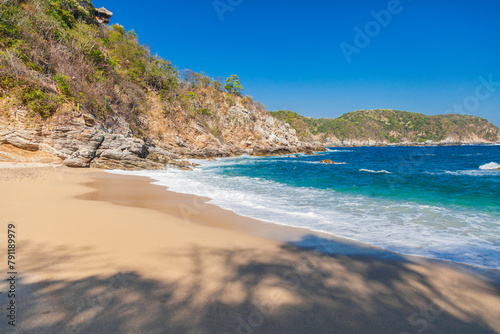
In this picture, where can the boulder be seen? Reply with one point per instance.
(161, 156)
(327, 161)
(76, 162)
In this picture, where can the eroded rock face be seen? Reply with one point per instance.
(235, 131)
(80, 144)
(81, 141)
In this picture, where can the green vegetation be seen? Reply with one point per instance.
(204, 111)
(233, 85)
(392, 126)
(305, 126)
(62, 84)
(45, 104)
(55, 57)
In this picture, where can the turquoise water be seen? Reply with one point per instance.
(440, 202)
(446, 175)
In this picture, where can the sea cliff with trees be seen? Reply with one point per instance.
(76, 90)
(89, 94)
(392, 127)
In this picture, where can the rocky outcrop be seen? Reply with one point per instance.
(101, 99)
(333, 141)
(81, 141)
(102, 15)
(9, 153)
(234, 130)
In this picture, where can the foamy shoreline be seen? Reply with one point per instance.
(351, 217)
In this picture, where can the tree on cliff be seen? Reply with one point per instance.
(233, 85)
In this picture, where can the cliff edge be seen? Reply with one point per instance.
(90, 95)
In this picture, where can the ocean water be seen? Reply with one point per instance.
(440, 202)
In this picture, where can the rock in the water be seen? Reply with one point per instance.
(328, 161)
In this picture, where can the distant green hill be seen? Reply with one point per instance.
(392, 126)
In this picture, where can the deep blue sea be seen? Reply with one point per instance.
(440, 202)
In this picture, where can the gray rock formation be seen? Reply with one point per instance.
(81, 141)
(83, 144)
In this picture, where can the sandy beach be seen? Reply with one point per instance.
(104, 253)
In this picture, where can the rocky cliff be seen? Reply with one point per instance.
(75, 90)
(78, 139)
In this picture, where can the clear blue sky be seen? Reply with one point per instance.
(427, 58)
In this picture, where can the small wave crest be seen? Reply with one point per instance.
(374, 171)
(330, 150)
(491, 165)
(468, 172)
(322, 163)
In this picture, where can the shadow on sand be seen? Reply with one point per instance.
(250, 291)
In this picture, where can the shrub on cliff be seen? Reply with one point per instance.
(58, 43)
(56, 47)
(40, 102)
(233, 85)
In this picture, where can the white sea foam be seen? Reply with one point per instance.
(374, 171)
(474, 172)
(319, 162)
(404, 227)
(330, 150)
(491, 165)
